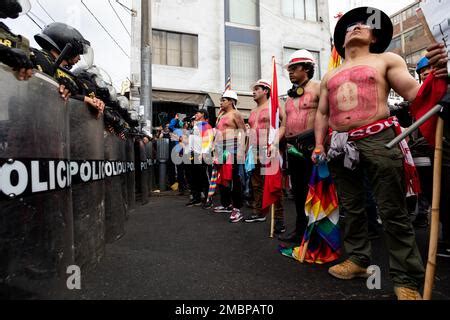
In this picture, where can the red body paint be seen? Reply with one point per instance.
(353, 95)
(300, 114)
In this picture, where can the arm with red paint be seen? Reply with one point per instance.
(399, 77)
(322, 117)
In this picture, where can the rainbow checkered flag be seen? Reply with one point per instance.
(322, 240)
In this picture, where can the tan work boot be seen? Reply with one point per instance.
(348, 270)
(407, 294)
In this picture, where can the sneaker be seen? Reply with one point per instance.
(279, 229)
(236, 216)
(348, 270)
(255, 218)
(193, 203)
(292, 237)
(208, 205)
(221, 209)
(407, 294)
(443, 252)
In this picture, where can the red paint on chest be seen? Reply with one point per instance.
(299, 112)
(353, 95)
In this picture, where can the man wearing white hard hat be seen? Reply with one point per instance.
(230, 136)
(260, 124)
(301, 107)
(353, 103)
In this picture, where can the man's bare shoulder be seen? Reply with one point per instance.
(392, 58)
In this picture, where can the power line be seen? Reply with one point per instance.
(42, 7)
(37, 17)
(118, 17)
(133, 12)
(98, 21)
(28, 15)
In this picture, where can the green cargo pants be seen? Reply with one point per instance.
(384, 169)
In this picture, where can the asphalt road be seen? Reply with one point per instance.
(171, 252)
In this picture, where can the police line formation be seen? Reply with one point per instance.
(52, 217)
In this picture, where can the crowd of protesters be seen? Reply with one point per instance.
(345, 119)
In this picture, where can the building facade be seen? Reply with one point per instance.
(198, 44)
(409, 40)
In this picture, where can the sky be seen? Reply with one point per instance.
(108, 54)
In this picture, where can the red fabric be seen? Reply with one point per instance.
(431, 92)
(273, 183)
(225, 173)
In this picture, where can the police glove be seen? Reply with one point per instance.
(15, 58)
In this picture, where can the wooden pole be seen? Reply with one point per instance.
(434, 230)
(272, 221)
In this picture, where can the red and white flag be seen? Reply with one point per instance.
(273, 186)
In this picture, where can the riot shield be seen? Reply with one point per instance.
(36, 226)
(88, 194)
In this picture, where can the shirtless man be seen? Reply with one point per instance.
(301, 108)
(230, 136)
(260, 123)
(353, 103)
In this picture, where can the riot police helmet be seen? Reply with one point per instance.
(13, 8)
(57, 35)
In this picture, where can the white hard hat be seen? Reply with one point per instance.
(262, 83)
(301, 56)
(230, 95)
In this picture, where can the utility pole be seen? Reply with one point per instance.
(146, 64)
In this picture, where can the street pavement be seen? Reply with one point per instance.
(171, 252)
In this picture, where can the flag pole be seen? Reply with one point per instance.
(434, 230)
(272, 220)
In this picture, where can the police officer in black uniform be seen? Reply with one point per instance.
(61, 46)
(15, 49)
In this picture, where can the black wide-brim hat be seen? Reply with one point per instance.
(383, 28)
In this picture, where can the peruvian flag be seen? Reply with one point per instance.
(273, 178)
(431, 92)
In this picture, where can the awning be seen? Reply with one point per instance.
(186, 97)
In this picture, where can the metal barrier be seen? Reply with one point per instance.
(36, 224)
(87, 156)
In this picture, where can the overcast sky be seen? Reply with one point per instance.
(108, 55)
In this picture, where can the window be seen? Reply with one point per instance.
(396, 44)
(396, 19)
(287, 52)
(244, 12)
(300, 9)
(244, 65)
(175, 49)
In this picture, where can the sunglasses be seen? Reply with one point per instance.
(360, 25)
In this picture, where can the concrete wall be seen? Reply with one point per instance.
(200, 17)
(278, 31)
(205, 18)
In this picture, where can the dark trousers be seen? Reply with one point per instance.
(181, 178)
(232, 194)
(200, 181)
(300, 171)
(384, 169)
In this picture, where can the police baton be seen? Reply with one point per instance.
(416, 124)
